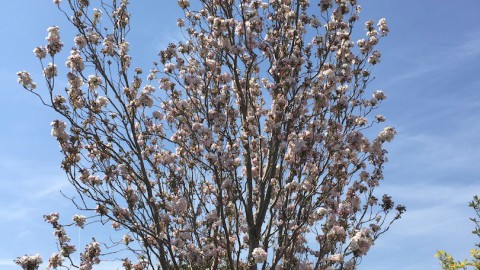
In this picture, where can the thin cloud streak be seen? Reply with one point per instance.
(7, 262)
(441, 60)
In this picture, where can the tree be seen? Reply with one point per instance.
(447, 262)
(252, 153)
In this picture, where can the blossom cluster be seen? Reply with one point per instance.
(55, 261)
(79, 220)
(50, 71)
(29, 262)
(361, 241)
(259, 255)
(90, 256)
(54, 45)
(26, 81)
(58, 130)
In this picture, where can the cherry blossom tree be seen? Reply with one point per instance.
(248, 145)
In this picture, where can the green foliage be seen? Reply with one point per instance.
(447, 262)
(475, 204)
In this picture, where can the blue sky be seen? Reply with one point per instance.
(430, 71)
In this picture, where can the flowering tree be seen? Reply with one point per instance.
(244, 147)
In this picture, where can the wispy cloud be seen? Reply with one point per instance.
(440, 60)
(437, 217)
(431, 154)
(27, 189)
(6, 262)
(434, 208)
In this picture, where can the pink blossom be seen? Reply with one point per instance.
(58, 130)
(382, 25)
(361, 242)
(387, 134)
(54, 45)
(259, 255)
(29, 262)
(75, 61)
(40, 52)
(55, 261)
(379, 95)
(79, 220)
(25, 80)
(50, 71)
